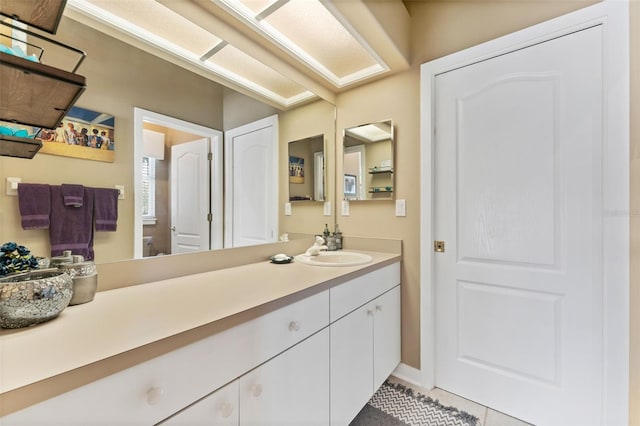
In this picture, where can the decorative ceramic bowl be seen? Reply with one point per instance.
(33, 297)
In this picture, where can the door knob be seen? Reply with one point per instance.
(173, 228)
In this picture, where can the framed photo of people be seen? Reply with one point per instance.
(83, 133)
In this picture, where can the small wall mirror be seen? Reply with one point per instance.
(306, 169)
(368, 162)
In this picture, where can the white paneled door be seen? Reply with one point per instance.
(190, 199)
(251, 186)
(518, 204)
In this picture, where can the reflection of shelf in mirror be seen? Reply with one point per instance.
(376, 190)
(376, 171)
(298, 198)
(11, 146)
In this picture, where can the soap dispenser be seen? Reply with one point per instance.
(326, 231)
(338, 235)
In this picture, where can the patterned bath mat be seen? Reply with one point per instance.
(396, 405)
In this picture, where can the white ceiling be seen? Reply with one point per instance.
(282, 52)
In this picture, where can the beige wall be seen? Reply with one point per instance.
(119, 78)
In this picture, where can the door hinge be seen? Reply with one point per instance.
(438, 246)
(210, 156)
(209, 217)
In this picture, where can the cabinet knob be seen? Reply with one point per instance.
(294, 326)
(378, 308)
(370, 312)
(256, 390)
(153, 395)
(226, 409)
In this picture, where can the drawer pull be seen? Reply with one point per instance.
(226, 410)
(294, 326)
(153, 395)
(378, 308)
(256, 390)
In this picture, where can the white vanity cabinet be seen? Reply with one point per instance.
(314, 361)
(290, 389)
(221, 408)
(152, 391)
(365, 340)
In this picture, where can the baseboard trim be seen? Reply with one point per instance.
(409, 374)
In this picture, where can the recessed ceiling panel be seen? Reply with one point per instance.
(162, 22)
(310, 29)
(239, 64)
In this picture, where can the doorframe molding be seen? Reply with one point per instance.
(613, 15)
(141, 116)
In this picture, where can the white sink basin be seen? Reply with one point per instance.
(335, 258)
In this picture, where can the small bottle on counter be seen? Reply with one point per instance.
(338, 236)
(326, 232)
(331, 243)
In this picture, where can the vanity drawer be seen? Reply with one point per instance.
(351, 295)
(155, 389)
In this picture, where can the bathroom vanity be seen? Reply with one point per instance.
(254, 344)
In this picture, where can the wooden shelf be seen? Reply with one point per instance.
(35, 94)
(10, 146)
(42, 14)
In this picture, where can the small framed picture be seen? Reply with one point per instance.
(296, 170)
(350, 186)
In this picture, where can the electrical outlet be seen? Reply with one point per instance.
(287, 209)
(401, 208)
(327, 208)
(345, 207)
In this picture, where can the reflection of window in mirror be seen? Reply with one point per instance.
(354, 159)
(306, 169)
(148, 191)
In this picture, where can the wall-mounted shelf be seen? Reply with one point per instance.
(42, 14)
(35, 94)
(380, 190)
(380, 171)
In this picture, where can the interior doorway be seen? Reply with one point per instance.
(213, 176)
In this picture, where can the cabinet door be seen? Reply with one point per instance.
(290, 389)
(386, 335)
(351, 364)
(219, 409)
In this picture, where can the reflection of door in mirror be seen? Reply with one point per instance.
(190, 196)
(306, 169)
(368, 155)
(354, 159)
(154, 234)
(251, 183)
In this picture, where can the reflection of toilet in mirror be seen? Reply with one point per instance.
(146, 246)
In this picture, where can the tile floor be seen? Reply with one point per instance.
(487, 416)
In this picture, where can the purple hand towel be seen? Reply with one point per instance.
(71, 228)
(106, 209)
(35, 205)
(73, 195)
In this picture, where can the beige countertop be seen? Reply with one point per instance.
(124, 319)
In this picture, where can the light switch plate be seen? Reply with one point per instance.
(12, 185)
(401, 208)
(345, 207)
(121, 189)
(327, 208)
(287, 209)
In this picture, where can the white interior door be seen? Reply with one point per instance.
(190, 200)
(251, 185)
(518, 202)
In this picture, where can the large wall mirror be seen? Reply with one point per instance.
(368, 162)
(306, 169)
